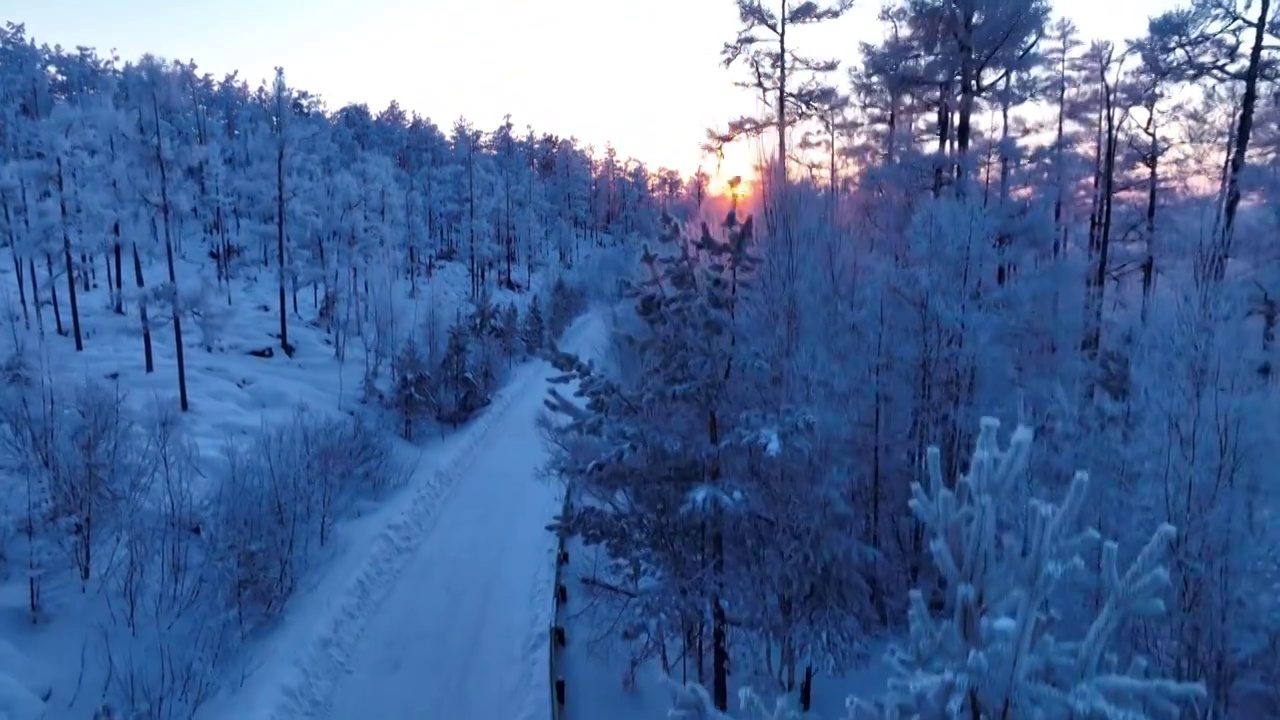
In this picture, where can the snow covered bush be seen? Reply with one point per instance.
(997, 649)
(349, 460)
(598, 278)
(282, 493)
(212, 313)
(691, 701)
(25, 450)
(77, 452)
(378, 316)
(168, 629)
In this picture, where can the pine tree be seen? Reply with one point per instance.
(666, 442)
(510, 332)
(534, 334)
(486, 329)
(564, 306)
(412, 398)
(994, 652)
(484, 319)
(458, 393)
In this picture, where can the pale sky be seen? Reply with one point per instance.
(644, 74)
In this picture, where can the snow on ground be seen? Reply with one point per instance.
(231, 391)
(231, 394)
(447, 614)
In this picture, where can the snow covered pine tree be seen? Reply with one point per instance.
(668, 438)
(992, 654)
(458, 394)
(534, 333)
(411, 398)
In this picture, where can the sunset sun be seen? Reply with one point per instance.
(737, 187)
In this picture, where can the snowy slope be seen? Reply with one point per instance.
(233, 395)
(447, 613)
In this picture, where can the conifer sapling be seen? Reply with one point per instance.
(994, 651)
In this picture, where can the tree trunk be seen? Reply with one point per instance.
(280, 236)
(118, 299)
(17, 265)
(33, 565)
(106, 263)
(878, 590)
(965, 119)
(1244, 129)
(35, 294)
(148, 355)
(1100, 242)
(719, 623)
(1059, 243)
(781, 100)
(1005, 102)
(70, 264)
(53, 295)
(806, 689)
(944, 134)
(1153, 178)
(175, 304)
(719, 632)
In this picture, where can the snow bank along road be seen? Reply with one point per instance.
(449, 616)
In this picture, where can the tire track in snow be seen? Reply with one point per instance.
(325, 659)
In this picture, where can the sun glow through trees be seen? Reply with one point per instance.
(736, 187)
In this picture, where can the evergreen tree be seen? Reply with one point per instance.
(674, 441)
(509, 332)
(484, 319)
(996, 649)
(459, 394)
(412, 398)
(486, 329)
(564, 305)
(534, 334)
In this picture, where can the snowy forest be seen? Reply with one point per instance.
(794, 454)
(973, 381)
(161, 228)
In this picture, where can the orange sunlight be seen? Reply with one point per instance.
(737, 187)
(740, 163)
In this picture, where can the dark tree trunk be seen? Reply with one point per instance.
(67, 260)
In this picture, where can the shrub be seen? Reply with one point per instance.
(282, 494)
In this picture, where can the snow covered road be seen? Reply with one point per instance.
(464, 633)
(465, 628)
(448, 615)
